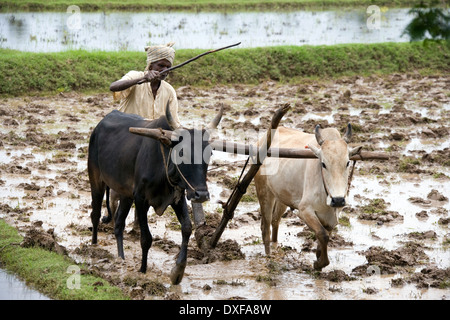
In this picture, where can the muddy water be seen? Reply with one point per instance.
(44, 178)
(11, 288)
(115, 31)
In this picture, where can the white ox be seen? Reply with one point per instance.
(316, 187)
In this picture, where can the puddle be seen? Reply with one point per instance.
(428, 145)
(11, 288)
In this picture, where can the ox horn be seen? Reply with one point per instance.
(173, 125)
(319, 135)
(159, 134)
(215, 122)
(348, 133)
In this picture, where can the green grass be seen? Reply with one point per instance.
(376, 205)
(47, 271)
(193, 5)
(24, 73)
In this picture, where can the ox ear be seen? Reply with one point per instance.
(348, 134)
(353, 151)
(315, 150)
(318, 133)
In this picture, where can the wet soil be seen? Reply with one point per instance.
(393, 240)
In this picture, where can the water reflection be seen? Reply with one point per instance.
(12, 288)
(115, 31)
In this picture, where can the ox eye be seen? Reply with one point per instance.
(323, 165)
(348, 163)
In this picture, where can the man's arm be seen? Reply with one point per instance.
(121, 85)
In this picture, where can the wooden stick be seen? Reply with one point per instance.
(192, 59)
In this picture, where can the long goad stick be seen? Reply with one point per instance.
(193, 59)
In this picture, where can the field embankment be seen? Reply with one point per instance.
(47, 270)
(28, 73)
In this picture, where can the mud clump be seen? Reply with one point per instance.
(138, 286)
(5, 208)
(423, 235)
(419, 201)
(390, 262)
(15, 169)
(42, 192)
(203, 235)
(376, 210)
(336, 276)
(94, 252)
(436, 195)
(37, 237)
(230, 250)
(225, 251)
(166, 245)
(29, 186)
(440, 157)
(431, 277)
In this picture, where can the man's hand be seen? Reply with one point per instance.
(150, 75)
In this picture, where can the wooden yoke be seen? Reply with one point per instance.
(241, 187)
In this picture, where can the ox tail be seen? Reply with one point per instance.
(108, 218)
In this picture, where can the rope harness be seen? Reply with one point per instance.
(350, 177)
(323, 181)
(166, 169)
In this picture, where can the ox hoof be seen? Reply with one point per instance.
(318, 265)
(176, 275)
(106, 219)
(143, 268)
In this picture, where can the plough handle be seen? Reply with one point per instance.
(241, 187)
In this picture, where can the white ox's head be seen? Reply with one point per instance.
(334, 156)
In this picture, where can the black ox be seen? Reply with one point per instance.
(141, 169)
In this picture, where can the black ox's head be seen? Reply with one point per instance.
(186, 155)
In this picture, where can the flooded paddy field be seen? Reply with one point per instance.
(393, 239)
(122, 31)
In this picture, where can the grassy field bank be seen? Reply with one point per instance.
(47, 271)
(193, 5)
(24, 73)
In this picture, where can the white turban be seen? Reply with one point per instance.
(156, 53)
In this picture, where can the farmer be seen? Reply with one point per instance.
(150, 98)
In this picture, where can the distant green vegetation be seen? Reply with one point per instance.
(24, 73)
(193, 5)
(47, 271)
(429, 20)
